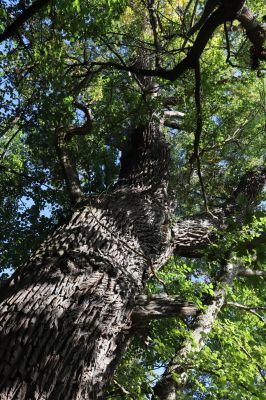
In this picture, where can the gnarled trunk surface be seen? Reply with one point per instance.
(65, 314)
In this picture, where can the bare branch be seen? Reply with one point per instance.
(154, 26)
(227, 44)
(24, 175)
(3, 154)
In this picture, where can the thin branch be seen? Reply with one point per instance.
(167, 386)
(186, 34)
(154, 26)
(208, 9)
(63, 136)
(24, 175)
(227, 44)
(247, 308)
(2, 156)
(11, 29)
(215, 373)
(195, 156)
(123, 390)
(218, 17)
(71, 176)
(197, 96)
(232, 138)
(120, 58)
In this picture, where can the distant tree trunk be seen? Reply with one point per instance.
(65, 315)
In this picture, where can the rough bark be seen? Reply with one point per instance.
(64, 323)
(66, 313)
(247, 272)
(161, 306)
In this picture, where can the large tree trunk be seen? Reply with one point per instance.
(65, 315)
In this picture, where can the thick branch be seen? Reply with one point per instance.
(251, 272)
(11, 29)
(192, 235)
(169, 118)
(85, 128)
(157, 307)
(208, 9)
(70, 173)
(255, 32)
(172, 124)
(166, 388)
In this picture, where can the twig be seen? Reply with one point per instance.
(120, 58)
(215, 373)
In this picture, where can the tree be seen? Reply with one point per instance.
(136, 145)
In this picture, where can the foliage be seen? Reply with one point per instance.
(47, 66)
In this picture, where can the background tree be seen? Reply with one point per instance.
(133, 140)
